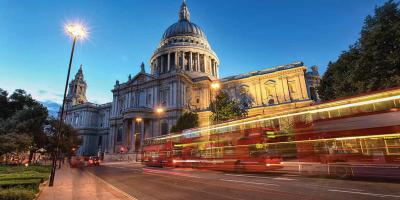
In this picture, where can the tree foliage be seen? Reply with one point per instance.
(186, 121)
(69, 139)
(225, 108)
(372, 63)
(22, 125)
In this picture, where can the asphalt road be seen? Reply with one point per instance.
(148, 183)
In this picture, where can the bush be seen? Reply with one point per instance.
(17, 194)
(22, 176)
(28, 183)
(19, 168)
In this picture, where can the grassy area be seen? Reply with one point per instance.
(20, 182)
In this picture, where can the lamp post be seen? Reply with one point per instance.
(159, 111)
(215, 86)
(76, 31)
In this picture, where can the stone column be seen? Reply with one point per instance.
(190, 61)
(132, 144)
(209, 65)
(303, 87)
(169, 61)
(212, 67)
(162, 64)
(198, 62)
(176, 60)
(285, 88)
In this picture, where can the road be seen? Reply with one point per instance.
(148, 183)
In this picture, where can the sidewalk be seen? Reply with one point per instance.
(73, 184)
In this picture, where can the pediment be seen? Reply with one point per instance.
(141, 78)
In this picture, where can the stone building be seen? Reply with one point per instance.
(91, 120)
(182, 70)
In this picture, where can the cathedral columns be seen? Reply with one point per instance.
(169, 62)
(198, 62)
(176, 62)
(132, 131)
(190, 61)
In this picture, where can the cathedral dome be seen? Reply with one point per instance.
(184, 28)
(184, 48)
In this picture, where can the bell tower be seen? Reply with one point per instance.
(77, 90)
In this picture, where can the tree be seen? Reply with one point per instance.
(372, 63)
(69, 140)
(225, 108)
(21, 128)
(186, 121)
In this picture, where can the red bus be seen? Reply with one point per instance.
(357, 136)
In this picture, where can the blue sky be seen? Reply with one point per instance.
(247, 35)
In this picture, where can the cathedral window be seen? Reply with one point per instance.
(148, 100)
(119, 134)
(271, 102)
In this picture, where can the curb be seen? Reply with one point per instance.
(113, 187)
(41, 188)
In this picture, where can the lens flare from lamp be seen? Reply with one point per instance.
(76, 30)
(159, 110)
(215, 86)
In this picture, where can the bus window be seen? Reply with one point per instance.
(371, 146)
(392, 145)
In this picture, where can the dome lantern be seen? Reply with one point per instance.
(184, 13)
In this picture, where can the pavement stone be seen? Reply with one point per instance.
(77, 184)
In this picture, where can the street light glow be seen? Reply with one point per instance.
(159, 110)
(76, 30)
(215, 85)
(138, 119)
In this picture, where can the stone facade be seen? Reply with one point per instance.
(182, 70)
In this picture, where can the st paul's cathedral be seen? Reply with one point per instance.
(182, 71)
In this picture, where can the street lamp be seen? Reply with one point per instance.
(76, 31)
(215, 86)
(159, 111)
(138, 120)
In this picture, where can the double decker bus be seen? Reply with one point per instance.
(357, 136)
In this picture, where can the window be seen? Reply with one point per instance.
(148, 100)
(119, 134)
(164, 128)
(393, 145)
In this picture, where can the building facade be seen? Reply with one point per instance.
(182, 70)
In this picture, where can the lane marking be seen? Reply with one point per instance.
(285, 179)
(256, 183)
(263, 177)
(366, 193)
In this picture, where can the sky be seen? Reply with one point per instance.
(247, 35)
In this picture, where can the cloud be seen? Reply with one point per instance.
(52, 107)
(42, 92)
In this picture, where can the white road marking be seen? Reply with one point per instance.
(256, 183)
(251, 176)
(366, 193)
(285, 179)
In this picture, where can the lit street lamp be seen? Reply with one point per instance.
(138, 120)
(76, 31)
(215, 86)
(159, 111)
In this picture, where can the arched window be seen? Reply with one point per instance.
(271, 102)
